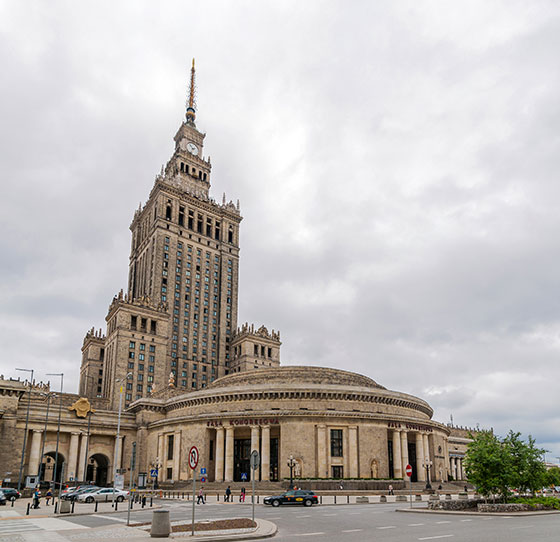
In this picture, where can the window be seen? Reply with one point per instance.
(337, 471)
(128, 396)
(131, 355)
(133, 321)
(170, 473)
(131, 365)
(170, 439)
(211, 451)
(153, 331)
(132, 345)
(142, 346)
(336, 443)
(152, 347)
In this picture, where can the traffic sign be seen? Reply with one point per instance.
(203, 479)
(153, 473)
(255, 459)
(243, 476)
(202, 470)
(193, 457)
(408, 470)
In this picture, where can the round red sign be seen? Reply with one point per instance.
(408, 470)
(193, 457)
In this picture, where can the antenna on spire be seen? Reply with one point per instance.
(191, 104)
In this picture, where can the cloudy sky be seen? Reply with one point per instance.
(396, 162)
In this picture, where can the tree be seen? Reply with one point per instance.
(528, 472)
(488, 464)
(552, 477)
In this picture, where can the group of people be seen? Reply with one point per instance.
(228, 497)
(37, 497)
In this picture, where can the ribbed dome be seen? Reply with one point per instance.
(297, 375)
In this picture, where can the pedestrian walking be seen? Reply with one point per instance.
(36, 499)
(228, 494)
(391, 492)
(242, 495)
(200, 497)
(48, 496)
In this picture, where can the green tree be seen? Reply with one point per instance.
(488, 465)
(552, 477)
(528, 470)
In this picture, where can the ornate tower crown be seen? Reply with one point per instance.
(191, 102)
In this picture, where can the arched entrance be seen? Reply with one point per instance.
(47, 467)
(97, 470)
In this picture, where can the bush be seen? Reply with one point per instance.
(551, 503)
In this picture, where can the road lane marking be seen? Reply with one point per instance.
(438, 536)
(466, 520)
(388, 527)
(111, 518)
(303, 516)
(354, 513)
(442, 522)
(353, 531)
(415, 524)
(330, 515)
(523, 527)
(308, 534)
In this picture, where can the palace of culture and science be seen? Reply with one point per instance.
(178, 321)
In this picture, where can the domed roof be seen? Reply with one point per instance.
(296, 375)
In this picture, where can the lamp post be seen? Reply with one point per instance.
(48, 395)
(120, 381)
(26, 424)
(291, 464)
(427, 466)
(87, 440)
(58, 435)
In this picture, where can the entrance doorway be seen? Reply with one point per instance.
(241, 459)
(97, 470)
(412, 461)
(47, 467)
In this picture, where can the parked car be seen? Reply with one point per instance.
(73, 495)
(2, 498)
(297, 496)
(10, 493)
(103, 495)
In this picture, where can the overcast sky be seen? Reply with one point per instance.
(397, 165)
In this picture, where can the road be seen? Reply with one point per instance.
(354, 523)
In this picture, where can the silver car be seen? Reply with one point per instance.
(103, 495)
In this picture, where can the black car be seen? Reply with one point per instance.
(2, 498)
(11, 493)
(297, 496)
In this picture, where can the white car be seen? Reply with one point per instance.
(103, 495)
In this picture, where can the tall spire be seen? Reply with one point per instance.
(191, 105)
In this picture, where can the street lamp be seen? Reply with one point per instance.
(87, 440)
(58, 434)
(291, 464)
(427, 466)
(120, 381)
(48, 395)
(26, 423)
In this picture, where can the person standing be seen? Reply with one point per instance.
(391, 492)
(48, 496)
(228, 494)
(36, 498)
(200, 497)
(242, 495)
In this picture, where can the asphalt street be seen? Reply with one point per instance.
(354, 523)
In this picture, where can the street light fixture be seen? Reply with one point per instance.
(58, 435)
(48, 395)
(87, 440)
(26, 424)
(291, 464)
(427, 466)
(120, 381)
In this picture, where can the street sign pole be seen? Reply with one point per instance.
(255, 461)
(193, 462)
(408, 471)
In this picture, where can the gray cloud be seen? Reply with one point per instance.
(396, 165)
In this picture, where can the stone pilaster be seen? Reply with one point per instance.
(177, 455)
(420, 470)
(219, 475)
(35, 452)
(254, 446)
(322, 451)
(82, 458)
(72, 472)
(265, 456)
(404, 452)
(228, 477)
(353, 451)
(397, 457)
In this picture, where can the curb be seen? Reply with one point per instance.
(478, 514)
(265, 529)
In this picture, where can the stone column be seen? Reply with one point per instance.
(254, 446)
(219, 476)
(34, 459)
(82, 458)
(420, 470)
(404, 453)
(322, 451)
(455, 473)
(71, 473)
(426, 447)
(353, 451)
(159, 458)
(446, 454)
(397, 457)
(461, 474)
(177, 456)
(265, 456)
(229, 455)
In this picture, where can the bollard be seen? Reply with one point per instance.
(161, 527)
(96, 503)
(183, 495)
(258, 497)
(27, 513)
(132, 504)
(143, 501)
(151, 502)
(347, 499)
(321, 499)
(116, 506)
(73, 503)
(217, 497)
(55, 507)
(13, 501)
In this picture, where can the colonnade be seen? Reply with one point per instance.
(456, 468)
(400, 439)
(225, 452)
(74, 454)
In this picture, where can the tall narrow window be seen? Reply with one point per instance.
(181, 216)
(168, 212)
(230, 235)
(191, 220)
(336, 443)
(170, 439)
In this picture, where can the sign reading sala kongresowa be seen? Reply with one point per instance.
(243, 421)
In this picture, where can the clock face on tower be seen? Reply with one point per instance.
(192, 148)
